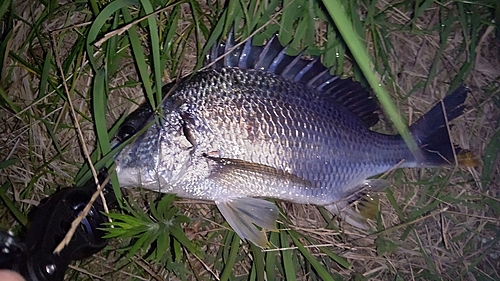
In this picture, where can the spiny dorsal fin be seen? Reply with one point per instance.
(272, 58)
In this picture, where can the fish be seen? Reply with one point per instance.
(258, 124)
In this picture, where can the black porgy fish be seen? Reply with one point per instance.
(262, 124)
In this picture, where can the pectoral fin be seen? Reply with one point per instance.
(244, 213)
(244, 174)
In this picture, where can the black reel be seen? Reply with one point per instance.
(48, 224)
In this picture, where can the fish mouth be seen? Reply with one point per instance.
(115, 143)
(134, 177)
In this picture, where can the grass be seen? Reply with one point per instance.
(105, 57)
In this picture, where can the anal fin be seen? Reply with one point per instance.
(244, 213)
(356, 212)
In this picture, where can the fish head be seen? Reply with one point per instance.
(157, 158)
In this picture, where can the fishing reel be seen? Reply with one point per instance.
(33, 257)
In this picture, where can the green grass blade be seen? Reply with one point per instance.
(139, 58)
(155, 51)
(288, 19)
(10, 205)
(8, 103)
(394, 204)
(258, 266)
(318, 267)
(490, 159)
(216, 34)
(8, 163)
(231, 258)
(99, 113)
(271, 257)
(99, 23)
(4, 8)
(288, 264)
(338, 259)
(444, 33)
(44, 79)
(337, 12)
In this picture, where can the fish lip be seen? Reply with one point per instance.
(115, 143)
(133, 177)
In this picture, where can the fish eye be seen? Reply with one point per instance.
(125, 131)
(134, 122)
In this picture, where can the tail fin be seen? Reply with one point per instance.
(431, 132)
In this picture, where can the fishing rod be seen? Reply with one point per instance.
(32, 255)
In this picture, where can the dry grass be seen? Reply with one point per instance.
(457, 238)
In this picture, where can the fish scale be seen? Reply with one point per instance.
(335, 142)
(262, 124)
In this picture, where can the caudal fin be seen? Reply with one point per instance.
(432, 136)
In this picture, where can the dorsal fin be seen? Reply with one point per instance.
(272, 58)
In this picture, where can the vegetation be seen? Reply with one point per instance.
(71, 71)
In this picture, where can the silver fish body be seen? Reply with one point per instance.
(241, 131)
(258, 118)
